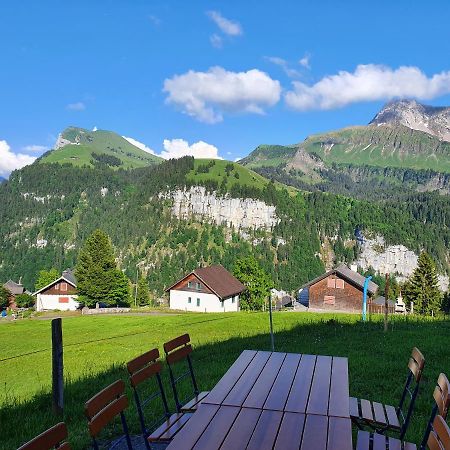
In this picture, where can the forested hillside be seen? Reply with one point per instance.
(49, 209)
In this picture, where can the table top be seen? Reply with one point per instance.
(274, 400)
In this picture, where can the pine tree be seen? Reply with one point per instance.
(422, 288)
(98, 278)
(143, 293)
(4, 297)
(258, 283)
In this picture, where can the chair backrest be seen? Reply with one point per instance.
(439, 438)
(441, 397)
(53, 438)
(178, 350)
(416, 364)
(143, 369)
(104, 407)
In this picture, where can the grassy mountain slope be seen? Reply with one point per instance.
(81, 144)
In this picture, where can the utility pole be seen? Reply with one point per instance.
(386, 295)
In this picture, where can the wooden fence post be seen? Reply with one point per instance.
(57, 367)
(386, 304)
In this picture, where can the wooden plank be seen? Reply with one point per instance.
(379, 442)
(142, 360)
(242, 429)
(179, 354)
(366, 410)
(379, 414)
(363, 441)
(281, 387)
(170, 427)
(299, 394)
(339, 403)
(218, 428)
(107, 414)
(192, 431)
(339, 434)
(261, 388)
(266, 431)
(354, 409)
(315, 433)
(290, 432)
(105, 396)
(320, 388)
(192, 404)
(392, 416)
(243, 386)
(176, 342)
(48, 439)
(227, 382)
(394, 444)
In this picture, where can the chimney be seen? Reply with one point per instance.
(354, 267)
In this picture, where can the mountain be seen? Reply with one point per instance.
(429, 119)
(391, 153)
(168, 218)
(2, 179)
(80, 147)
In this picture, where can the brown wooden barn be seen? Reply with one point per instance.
(339, 289)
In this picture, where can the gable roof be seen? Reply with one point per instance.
(67, 276)
(353, 277)
(14, 288)
(217, 279)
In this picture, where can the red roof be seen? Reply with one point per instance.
(218, 279)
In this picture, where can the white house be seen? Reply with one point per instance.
(60, 294)
(207, 289)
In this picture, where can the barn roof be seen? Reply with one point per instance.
(354, 277)
(14, 288)
(67, 275)
(218, 279)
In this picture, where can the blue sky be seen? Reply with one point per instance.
(231, 74)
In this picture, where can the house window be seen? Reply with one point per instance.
(189, 284)
(57, 286)
(233, 299)
(331, 282)
(339, 284)
(189, 300)
(63, 300)
(329, 300)
(199, 286)
(64, 287)
(198, 302)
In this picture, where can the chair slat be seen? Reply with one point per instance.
(414, 368)
(392, 416)
(100, 400)
(417, 356)
(49, 439)
(394, 444)
(101, 419)
(442, 395)
(142, 360)
(366, 410)
(167, 430)
(379, 442)
(145, 373)
(442, 431)
(354, 410)
(409, 446)
(179, 354)
(177, 342)
(380, 416)
(192, 405)
(363, 442)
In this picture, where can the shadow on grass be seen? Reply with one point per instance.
(377, 365)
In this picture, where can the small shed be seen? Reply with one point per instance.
(15, 289)
(339, 289)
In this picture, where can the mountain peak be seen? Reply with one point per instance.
(433, 120)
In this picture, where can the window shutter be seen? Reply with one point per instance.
(339, 284)
(329, 300)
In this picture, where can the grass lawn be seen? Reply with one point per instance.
(96, 348)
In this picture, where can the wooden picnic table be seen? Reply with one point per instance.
(274, 400)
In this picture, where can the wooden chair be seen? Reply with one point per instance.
(382, 418)
(143, 369)
(178, 350)
(53, 438)
(375, 441)
(104, 407)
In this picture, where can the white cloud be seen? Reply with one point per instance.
(176, 148)
(139, 145)
(10, 161)
(291, 73)
(367, 83)
(206, 95)
(227, 26)
(216, 41)
(305, 61)
(35, 148)
(78, 106)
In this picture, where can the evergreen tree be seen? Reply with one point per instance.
(446, 303)
(46, 277)
(422, 288)
(98, 278)
(143, 293)
(4, 297)
(248, 271)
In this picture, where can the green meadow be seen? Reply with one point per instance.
(97, 348)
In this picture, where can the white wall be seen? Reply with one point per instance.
(208, 302)
(50, 302)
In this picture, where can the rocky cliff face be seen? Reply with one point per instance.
(394, 259)
(429, 119)
(223, 210)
